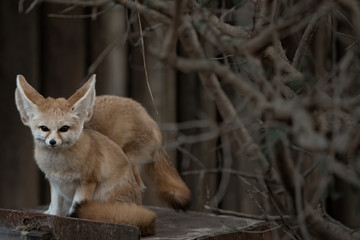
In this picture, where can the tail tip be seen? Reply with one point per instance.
(180, 206)
(149, 229)
(176, 201)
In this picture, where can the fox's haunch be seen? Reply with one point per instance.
(128, 124)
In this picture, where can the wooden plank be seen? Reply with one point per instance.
(170, 225)
(19, 51)
(194, 225)
(194, 104)
(41, 226)
(64, 51)
(108, 52)
(11, 234)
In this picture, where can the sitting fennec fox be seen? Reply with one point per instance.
(91, 150)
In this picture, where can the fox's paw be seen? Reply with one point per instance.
(74, 213)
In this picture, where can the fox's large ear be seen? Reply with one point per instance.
(26, 98)
(83, 100)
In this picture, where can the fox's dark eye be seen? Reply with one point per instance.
(64, 128)
(44, 128)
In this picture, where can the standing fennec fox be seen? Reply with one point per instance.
(91, 150)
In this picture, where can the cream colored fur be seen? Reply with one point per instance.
(128, 124)
(120, 213)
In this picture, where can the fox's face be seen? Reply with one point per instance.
(55, 123)
(56, 127)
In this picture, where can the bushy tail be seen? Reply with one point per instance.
(169, 186)
(121, 213)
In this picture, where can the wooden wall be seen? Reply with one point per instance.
(19, 53)
(56, 55)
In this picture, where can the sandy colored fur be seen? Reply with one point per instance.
(169, 186)
(128, 214)
(128, 124)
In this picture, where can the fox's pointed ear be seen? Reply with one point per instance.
(26, 98)
(83, 100)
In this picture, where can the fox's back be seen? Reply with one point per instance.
(124, 121)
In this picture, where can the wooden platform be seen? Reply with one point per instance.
(16, 224)
(194, 225)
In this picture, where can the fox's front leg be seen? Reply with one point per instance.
(82, 193)
(57, 201)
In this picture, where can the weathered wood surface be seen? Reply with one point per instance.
(170, 225)
(31, 225)
(195, 225)
(19, 51)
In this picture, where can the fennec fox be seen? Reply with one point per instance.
(93, 169)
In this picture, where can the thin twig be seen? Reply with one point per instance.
(82, 3)
(245, 215)
(116, 42)
(144, 62)
(83, 16)
(345, 173)
(146, 12)
(32, 6)
(170, 40)
(224, 170)
(225, 177)
(305, 39)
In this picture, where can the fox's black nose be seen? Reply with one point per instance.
(52, 142)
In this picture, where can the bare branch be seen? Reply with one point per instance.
(316, 224)
(345, 173)
(244, 215)
(146, 12)
(83, 3)
(170, 40)
(306, 37)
